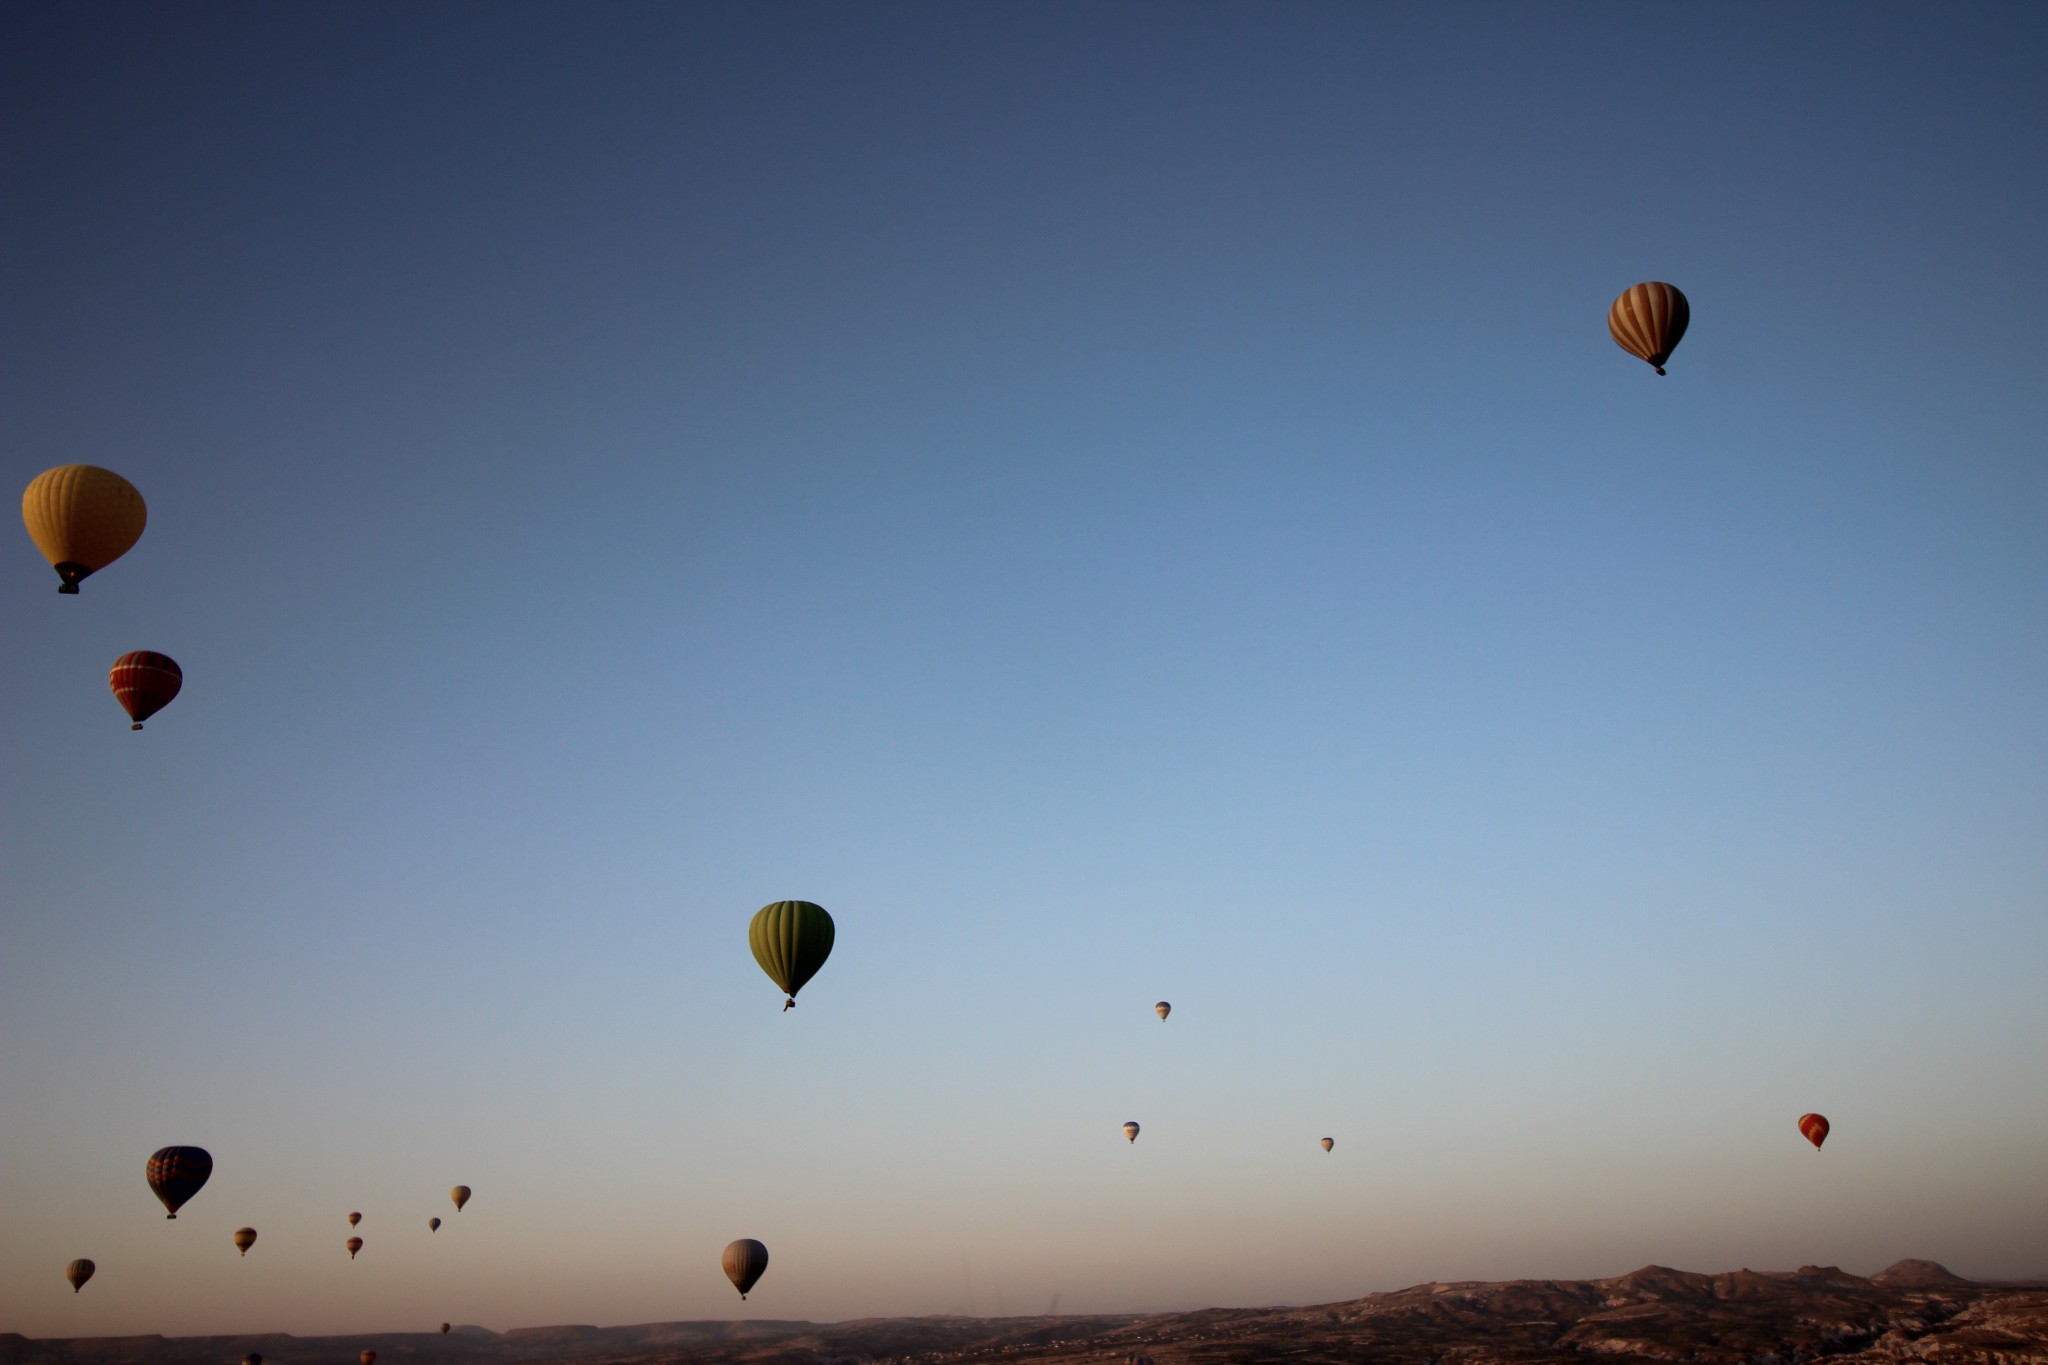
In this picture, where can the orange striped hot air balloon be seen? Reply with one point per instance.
(1648, 321)
(354, 1244)
(1814, 1128)
(144, 682)
(82, 518)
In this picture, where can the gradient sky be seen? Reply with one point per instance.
(1116, 503)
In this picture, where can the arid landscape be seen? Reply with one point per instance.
(1914, 1311)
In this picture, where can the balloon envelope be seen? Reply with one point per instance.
(444, 1329)
(1328, 1143)
(82, 518)
(244, 1239)
(368, 1358)
(177, 1173)
(744, 1262)
(1814, 1129)
(791, 940)
(354, 1219)
(144, 682)
(354, 1244)
(1131, 1130)
(460, 1194)
(1648, 321)
(433, 1225)
(78, 1272)
(1162, 1009)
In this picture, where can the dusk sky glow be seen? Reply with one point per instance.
(1116, 503)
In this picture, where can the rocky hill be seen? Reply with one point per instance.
(1916, 1311)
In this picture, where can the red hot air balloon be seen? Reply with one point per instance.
(1648, 320)
(1814, 1128)
(354, 1219)
(177, 1173)
(144, 682)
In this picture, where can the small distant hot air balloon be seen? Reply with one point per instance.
(791, 940)
(1162, 1009)
(744, 1262)
(1328, 1143)
(1131, 1130)
(444, 1329)
(82, 518)
(368, 1358)
(1648, 321)
(354, 1244)
(460, 1194)
(354, 1219)
(1814, 1129)
(177, 1173)
(433, 1225)
(78, 1272)
(144, 682)
(244, 1239)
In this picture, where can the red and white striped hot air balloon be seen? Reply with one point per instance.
(1648, 321)
(144, 682)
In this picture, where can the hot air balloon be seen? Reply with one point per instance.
(791, 940)
(368, 1358)
(144, 682)
(433, 1225)
(177, 1173)
(354, 1244)
(82, 518)
(244, 1239)
(444, 1329)
(1328, 1143)
(1131, 1130)
(78, 1272)
(460, 1194)
(354, 1219)
(1648, 321)
(745, 1259)
(1162, 1009)
(1814, 1128)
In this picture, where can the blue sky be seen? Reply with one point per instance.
(1116, 505)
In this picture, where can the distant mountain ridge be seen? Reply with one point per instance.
(1913, 1311)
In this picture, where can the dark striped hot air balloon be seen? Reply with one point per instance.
(433, 1225)
(144, 682)
(1648, 321)
(744, 1262)
(78, 1272)
(354, 1219)
(82, 518)
(177, 1173)
(1814, 1129)
(791, 940)
(244, 1239)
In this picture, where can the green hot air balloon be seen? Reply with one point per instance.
(791, 940)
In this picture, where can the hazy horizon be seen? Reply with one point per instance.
(1116, 505)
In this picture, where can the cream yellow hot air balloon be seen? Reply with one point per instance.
(82, 518)
(460, 1194)
(1648, 320)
